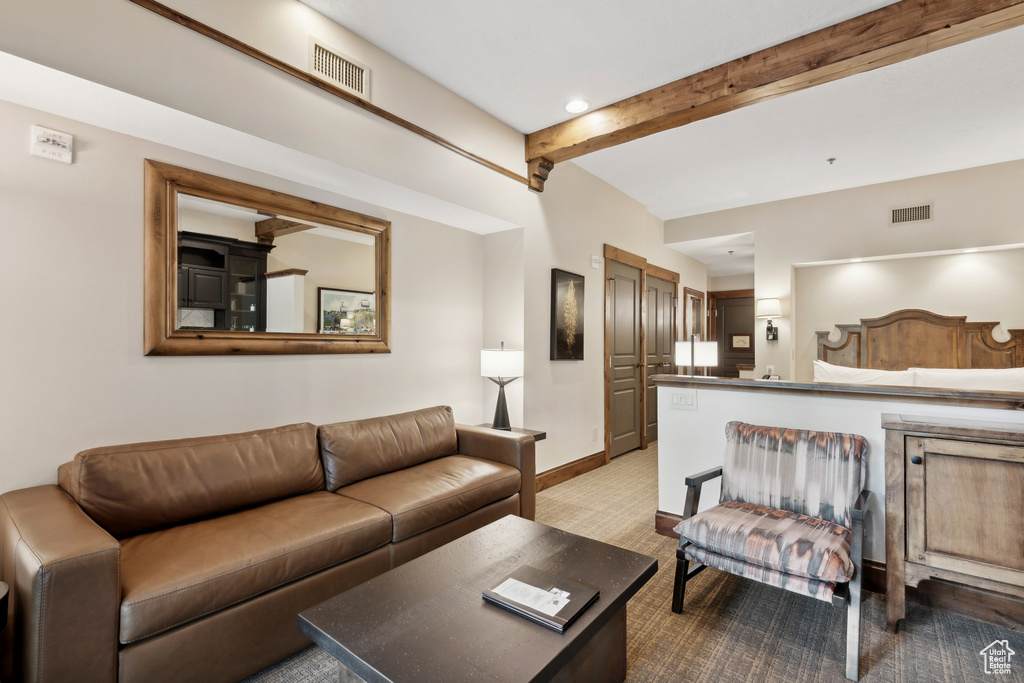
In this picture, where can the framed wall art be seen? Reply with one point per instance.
(740, 342)
(346, 311)
(567, 290)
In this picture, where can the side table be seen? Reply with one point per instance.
(537, 436)
(952, 510)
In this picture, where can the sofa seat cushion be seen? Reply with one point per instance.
(173, 576)
(772, 538)
(821, 590)
(435, 492)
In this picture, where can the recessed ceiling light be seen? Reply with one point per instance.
(577, 106)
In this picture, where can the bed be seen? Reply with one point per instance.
(913, 347)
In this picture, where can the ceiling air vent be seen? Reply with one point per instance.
(910, 214)
(337, 69)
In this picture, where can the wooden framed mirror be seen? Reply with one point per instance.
(693, 314)
(232, 268)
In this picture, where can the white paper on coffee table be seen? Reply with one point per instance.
(546, 602)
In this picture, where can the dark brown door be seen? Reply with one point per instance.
(735, 333)
(626, 357)
(660, 341)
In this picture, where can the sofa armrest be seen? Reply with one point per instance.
(509, 448)
(63, 573)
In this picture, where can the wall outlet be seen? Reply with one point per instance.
(593, 435)
(769, 369)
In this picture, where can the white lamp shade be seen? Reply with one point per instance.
(768, 308)
(705, 354)
(501, 363)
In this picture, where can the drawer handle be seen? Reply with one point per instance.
(916, 459)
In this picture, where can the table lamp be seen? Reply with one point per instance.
(696, 353)
(501, 366)
(769, 308)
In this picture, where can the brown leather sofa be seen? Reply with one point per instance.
(189, 560)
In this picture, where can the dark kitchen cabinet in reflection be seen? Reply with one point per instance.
(222, 283)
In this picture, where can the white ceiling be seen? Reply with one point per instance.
(521, 61)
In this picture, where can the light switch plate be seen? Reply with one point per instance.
(684, 399)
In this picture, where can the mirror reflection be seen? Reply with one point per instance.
(233, 268)
(316, 279)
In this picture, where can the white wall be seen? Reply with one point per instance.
(129, 48)
(730, 282)
(580, 215)
(172, 85)
(194, 220)
(187, 100)
(503, 292)
(983, 286)
(977, 207)
(331, 262)
(73, 371)
(282, 29)
(694, 440)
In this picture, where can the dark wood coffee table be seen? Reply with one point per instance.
(427, 621)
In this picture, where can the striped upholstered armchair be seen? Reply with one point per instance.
(790, 515)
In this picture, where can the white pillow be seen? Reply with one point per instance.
(1001, 379)
(837, 374)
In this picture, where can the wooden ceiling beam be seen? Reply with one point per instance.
(892, 34)
(270, 228)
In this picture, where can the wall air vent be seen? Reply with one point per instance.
(911, 214)
(335, 68)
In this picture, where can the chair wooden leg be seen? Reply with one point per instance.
(853, 630)
(853, 608)
(679, 585)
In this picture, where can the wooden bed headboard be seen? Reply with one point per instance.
(913, 338)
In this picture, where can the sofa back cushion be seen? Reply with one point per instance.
(138, 487)
(818, 474)
(357, 450)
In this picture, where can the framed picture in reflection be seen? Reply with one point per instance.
(740, 342)
(346, 311)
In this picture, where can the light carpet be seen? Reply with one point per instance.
(732, 630)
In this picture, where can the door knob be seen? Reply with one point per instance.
(916, 459)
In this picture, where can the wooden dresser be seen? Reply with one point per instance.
(954, 501)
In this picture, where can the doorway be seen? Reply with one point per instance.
(626, 357)
(640, 334)
(732, 326)
(661, 342)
